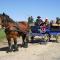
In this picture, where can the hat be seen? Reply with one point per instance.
(38, 17)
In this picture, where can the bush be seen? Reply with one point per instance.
(2, 34)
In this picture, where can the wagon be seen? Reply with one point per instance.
(52, 33)
(37, 34)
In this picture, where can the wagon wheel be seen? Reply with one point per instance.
(32, 38)
(58, 38)
(46, 37)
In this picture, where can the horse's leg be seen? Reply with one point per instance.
(15, 44)
(25, 40)
(9, 44)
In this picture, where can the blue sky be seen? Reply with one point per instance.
(20, 9)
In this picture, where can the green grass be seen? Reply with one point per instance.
(2, 35)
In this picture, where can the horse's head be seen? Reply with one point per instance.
(4, 20)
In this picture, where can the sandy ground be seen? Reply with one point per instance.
(36, 51)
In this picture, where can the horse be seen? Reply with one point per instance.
(14, 30)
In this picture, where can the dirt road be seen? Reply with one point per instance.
(49, 51)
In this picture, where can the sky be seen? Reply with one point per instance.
(20, 10)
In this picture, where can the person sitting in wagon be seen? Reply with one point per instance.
(38, 21)
(46, 22)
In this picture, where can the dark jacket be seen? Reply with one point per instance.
(38, 21)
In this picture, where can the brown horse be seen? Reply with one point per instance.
(13, 30)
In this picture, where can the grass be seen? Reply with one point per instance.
(2, 35)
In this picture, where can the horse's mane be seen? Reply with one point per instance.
(10, 20)
(7, 18)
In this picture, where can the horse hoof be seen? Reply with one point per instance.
(16, 49)
(8, 51)
(25, 46)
